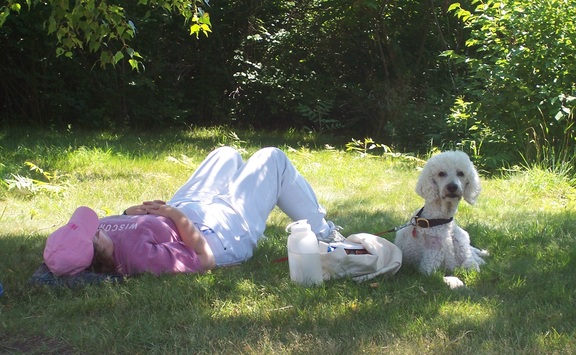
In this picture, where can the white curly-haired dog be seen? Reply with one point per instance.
(431, 240)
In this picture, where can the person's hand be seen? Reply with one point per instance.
(138, 209)
(157, 208)
(154, 207)
(154, 203)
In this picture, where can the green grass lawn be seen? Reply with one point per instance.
(522, 301)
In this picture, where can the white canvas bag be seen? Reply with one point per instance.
(383, 258)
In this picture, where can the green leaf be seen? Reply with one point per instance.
(51, 25)
(118, 57)
(205, 28)
(105, 58)
(195, 29)
(134, 64)
(205, 18)
(455, 5)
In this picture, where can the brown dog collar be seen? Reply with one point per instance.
(418, 221)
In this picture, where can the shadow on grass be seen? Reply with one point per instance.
(158, 141)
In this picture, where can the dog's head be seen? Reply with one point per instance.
(449, 175)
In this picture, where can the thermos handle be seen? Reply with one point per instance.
(288, 227)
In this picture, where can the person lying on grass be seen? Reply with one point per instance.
(215, 219)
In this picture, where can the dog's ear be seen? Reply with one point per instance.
(425, 187)
(472, 188)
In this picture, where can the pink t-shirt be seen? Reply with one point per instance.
(149, 243)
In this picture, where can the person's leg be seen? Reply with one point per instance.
(268, 179)
(210, 178)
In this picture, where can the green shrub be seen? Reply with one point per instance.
(520, 85)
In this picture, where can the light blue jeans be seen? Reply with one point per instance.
(230, 200)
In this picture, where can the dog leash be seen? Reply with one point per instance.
(415, 221)
(418, 221)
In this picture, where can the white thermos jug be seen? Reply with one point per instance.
(303, 254)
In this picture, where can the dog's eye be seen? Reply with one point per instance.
(460, 173)
(442, 174)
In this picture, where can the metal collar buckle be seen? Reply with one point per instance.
(421, 222)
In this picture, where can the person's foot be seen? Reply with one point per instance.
(333, 236)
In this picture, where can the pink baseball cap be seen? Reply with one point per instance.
(69, 249)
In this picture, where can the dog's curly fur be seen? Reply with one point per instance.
(445, 179)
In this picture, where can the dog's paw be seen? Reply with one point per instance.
(478, 254)
(453, 282)
(473, 264)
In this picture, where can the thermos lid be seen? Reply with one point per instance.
(299, 226)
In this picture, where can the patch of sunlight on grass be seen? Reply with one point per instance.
(466, 313)
(540, 189)
(246, 287)
(84, 156)
(553, 341)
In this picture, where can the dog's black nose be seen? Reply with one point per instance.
(452, 188)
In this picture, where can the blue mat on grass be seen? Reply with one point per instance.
(43, 276)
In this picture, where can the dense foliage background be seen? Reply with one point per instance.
(495, 78)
